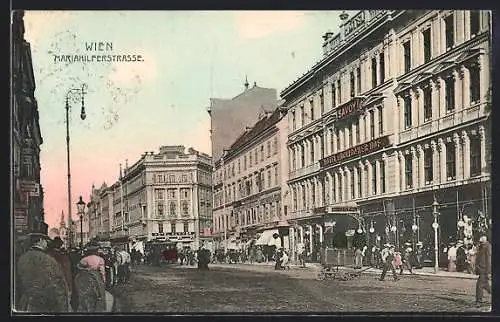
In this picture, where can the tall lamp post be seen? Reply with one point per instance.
(81, 208)
(435, 225)
(81, 92)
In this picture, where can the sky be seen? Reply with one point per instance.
(134, 107)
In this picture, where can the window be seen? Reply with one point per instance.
(186, 227)
(407, 56)
(475, 156)
(173, 208)
(159, 208)
(160, 228)
(382, 176)
(353, 89)
(311, 108)
(450, 161)
(348, 133)
(313, 195)
(372, 124)
(294, 194)
(380, 120)
(427, 44)
(358, 79)
(312, 152)
(171, 178)
(185, 208)
(268, 149)
(338, 139)
(185, 193)
(356, 125)
(171, 193)
(185, 177)
(449, 31)
(245, 162)
(239, 166)
(276, 175)
(374, 72)
(302, 156)
(172, 225)
(360, 169)
(303, 197)
(275, 145)
(302, 115)
(334, 98)
(352, 184)
(159, 194)
(322, 103)
(268, 178)
(407, 112)
(261, 153)
(250, 159)
(427, 103)
(428, 166)
(382, 67)
(475, 84)
(409, 171)
(294, 159)
(293, 120)
(450, 94)
(340, 187)
(339, 88)
(474, 22)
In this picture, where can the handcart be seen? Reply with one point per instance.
(332, 259)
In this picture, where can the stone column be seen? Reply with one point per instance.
(399, 116)
(397, 172)
(336, 186)
(458, 159)
(348, 183)
(442, 97)
(362, 127)
(375, 119)
(434, 99)
(342, 140)
(482, 138)
(483, 77)
(368, 178)
(421, 168)
(346, 137)
(310, 238)
(442, 160)
(334, 138)
(402, 169)
(466, 155)
(465, 77)
(435, 162)
(459, 26)
(442, 38)
(377, 175)
(384, 166)
(377, 59)
(414, 168)
(328, 139)
(415, 107)
(353, 133)
(368, 123)
(420, 99)
(356, 178)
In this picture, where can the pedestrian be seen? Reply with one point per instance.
(461, 257)
(406, 261)
(284, 260)
(471, 259)
(90, 282)
(483, 269)
(387, 260)
(358, 258)
(452, 258)
(40, 282)
(419, 255)
(277, 259)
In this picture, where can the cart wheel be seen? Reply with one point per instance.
(321, 276)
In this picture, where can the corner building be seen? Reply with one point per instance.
(396, 113)
(165, 195)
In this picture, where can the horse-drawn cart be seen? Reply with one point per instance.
(333, 259)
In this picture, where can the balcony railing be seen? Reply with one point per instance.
(315, 167)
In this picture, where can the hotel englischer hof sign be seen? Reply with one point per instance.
(359, 150)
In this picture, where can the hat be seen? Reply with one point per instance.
(419, 244)
(483, 239)
(57, 242)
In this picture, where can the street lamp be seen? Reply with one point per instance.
(81, 92)
(81, 208)
(435, 225)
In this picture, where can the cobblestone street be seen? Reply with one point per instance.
(261, 289)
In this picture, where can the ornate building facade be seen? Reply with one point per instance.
(26, 138)
(164, 195)
(395, 116)
(250, 184)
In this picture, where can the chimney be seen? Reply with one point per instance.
(120, 171)
(254, 84)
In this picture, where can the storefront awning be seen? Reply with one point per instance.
(266, 238)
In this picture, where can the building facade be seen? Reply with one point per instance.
(395, 116)
(229, 117)
(250, 184)
(27, 193)
(164, 195)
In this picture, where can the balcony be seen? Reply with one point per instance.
(305, 171)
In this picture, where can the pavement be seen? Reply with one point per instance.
(259, 288)
(425, 271)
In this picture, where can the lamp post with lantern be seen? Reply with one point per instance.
(435, 226)
(81, 208)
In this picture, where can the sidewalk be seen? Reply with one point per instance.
(426, 271)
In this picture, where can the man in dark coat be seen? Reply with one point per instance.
(483, 269)
(387, 259)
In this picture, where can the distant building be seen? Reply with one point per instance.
(164, 195)
(229, 117)
(27, 198)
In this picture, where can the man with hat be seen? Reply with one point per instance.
(418, 255)
(483, 269)
(407, 259)
(40, 281)
(387, 259)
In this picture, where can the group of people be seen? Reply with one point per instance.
(50, 278)
(461, 258)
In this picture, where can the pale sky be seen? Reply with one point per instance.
(133, 107)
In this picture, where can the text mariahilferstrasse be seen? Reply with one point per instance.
(100, 54)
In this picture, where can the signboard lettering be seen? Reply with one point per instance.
(356, 151)
(351, 108)
(354, 23)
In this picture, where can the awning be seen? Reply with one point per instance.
(266, 237)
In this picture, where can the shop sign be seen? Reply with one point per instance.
(356, 151)
(342, 209)
(351, 108)
(21, 221)
(31, 187)
(354, 23)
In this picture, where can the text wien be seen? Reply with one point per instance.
(99, 46)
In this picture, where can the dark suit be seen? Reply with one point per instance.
(483, 269)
